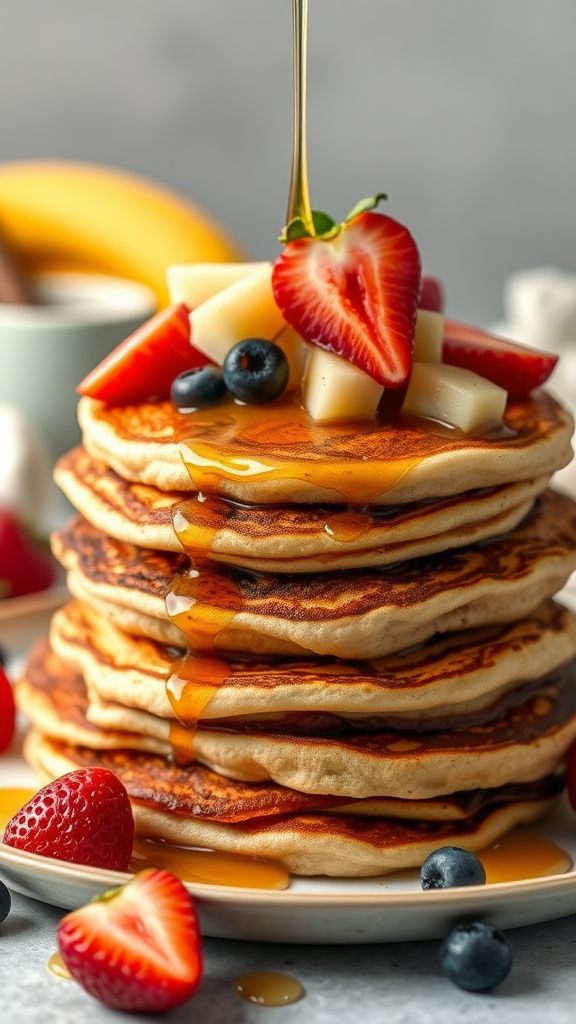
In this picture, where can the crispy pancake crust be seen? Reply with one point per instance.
(307, 843)
(475, 674)
(290, 538)
(285, 457)
(362, 614)
(525, 743)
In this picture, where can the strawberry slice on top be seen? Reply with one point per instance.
(353, 288)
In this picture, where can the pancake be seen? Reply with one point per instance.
(526, 743)
(290, 538)
(360, 614)
(281, 456)
(474, 673)
(307, 843)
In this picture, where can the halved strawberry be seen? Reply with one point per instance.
(8, 715)
(431, 294)
(516, 368)
(144, 365)
(353, 289)
(136, 948)
(84, 817)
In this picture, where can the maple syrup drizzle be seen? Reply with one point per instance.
(209, 867)
(245, 432)
(522, 854)
(267, 988)
(57, 967)
(11, 800)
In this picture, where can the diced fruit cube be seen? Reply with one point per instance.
(246, 309)
(334, 389)
(428, 336)
(455, 396)
(195, 283)
(296, 351)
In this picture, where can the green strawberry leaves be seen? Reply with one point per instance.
(323, 225)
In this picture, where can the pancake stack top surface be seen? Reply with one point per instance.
(330, 643)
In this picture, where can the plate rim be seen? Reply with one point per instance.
(553, 884)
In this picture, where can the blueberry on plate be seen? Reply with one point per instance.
(476, 956)
(198, 388)
(5, 902)
(451, 866)
(256, 371)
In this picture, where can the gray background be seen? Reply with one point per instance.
(463, 112)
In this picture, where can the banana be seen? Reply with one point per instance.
(88, 218)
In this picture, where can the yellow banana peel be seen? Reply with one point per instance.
(89, 218)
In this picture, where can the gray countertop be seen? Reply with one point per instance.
(396, 983)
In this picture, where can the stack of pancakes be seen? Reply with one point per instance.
(376, 666)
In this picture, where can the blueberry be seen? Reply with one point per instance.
(5, 902)
(256, 371)
(476, 956)
(195, 389)
(451, 866)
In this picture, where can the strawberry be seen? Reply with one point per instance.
(143, 366)
(571, 775)
(24, 566)
(136, 948)
(516, 368)
(431, 294)
(84, 817)
(7, 712)
(352, 288)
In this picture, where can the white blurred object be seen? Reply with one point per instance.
(540, 310)
(25, 468)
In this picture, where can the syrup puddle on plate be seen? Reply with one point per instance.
(11, 800)
(266, 988)
(522, 855)
(210, 867)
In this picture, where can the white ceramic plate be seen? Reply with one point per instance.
(320, 910)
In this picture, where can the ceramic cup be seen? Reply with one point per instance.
(47, 349)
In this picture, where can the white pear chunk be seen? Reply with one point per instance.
(245, 309)
(334, 389)
(296, 351)
(195, 283)
(428, 336)
(455, 396)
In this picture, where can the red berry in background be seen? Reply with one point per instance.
(84, 817)
(24, 566)
(571, 775)
(136, 948)
(7, 712)
(431, 294)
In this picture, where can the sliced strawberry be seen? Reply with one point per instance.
(516, 368)
(8, 715)
(84, 817)
(136, 948)
(25, 567)
(143, 366)
(431, 294)
(354, 292)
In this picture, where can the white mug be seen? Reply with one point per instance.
(47, 349)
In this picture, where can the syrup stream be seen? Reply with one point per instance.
(298, 201)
